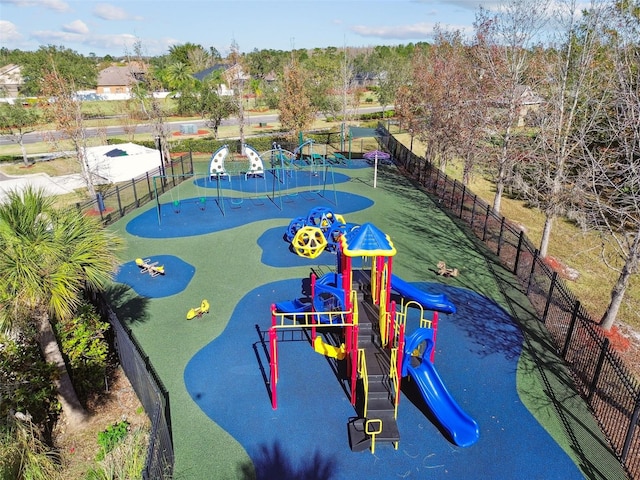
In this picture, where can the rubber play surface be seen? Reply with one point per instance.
(216, 368)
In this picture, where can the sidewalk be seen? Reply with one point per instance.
(50, 185)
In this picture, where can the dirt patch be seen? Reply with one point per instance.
(79, 449)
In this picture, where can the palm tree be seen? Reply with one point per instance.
(48, 257)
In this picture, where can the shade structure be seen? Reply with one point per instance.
(376, 155)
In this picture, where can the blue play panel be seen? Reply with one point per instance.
(477, 352)
(177, 276)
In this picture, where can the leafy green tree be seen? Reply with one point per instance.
(78, 69)
(49, 257)
(16, 121)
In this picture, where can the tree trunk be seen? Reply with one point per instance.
(617, 295)
(497, 199)
(546, 235)
(73, 410)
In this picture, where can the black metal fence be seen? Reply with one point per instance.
(112, 205)
(608, 386)
(119, 200)
(150, 390)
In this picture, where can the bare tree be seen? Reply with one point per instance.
(612, 150)
(502, 40)
(568, 80)
(443, 105)
(64, 108)
(236, 77)
(144, 86)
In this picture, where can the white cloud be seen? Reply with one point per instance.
(417, 30)
(56, 5)
(8, 32)
(106, 11)
(114, 44)
(77, 26)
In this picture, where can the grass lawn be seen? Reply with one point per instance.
(569, 243)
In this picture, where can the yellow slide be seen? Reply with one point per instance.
(329, 350)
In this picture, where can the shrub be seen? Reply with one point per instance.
(85, 348)
(27, 382)
(110, 437)
(125, 461)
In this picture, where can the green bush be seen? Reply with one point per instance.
(125, 461)
(26, 381)
(109, 438)
(85, 349)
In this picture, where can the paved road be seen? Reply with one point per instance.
(113, 131)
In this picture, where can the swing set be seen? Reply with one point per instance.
(177, 200)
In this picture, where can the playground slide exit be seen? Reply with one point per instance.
(429, 301)
(462, 429)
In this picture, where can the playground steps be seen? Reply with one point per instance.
(380, 399)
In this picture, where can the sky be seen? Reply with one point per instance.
(112, 28)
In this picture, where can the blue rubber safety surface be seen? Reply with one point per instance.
(283, 180)
(477, 351)
(178, 274)
(194, 217)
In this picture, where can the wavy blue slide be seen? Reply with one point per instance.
(429, 301)
(462, 429)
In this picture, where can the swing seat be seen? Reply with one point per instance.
(256, 165)
(216, 164)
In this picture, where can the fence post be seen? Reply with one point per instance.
(473, 210)
(119, 201)
(486, 221)
(596, 373)
(135, 194)
(632, 427)
(464, 192)
(517, 261)
(572, 325)
(549, 296)
(453, 194)
(149, 186)
(533, 269)
(500, 236)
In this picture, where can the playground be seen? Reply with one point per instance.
(236, 279)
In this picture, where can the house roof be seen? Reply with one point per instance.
(11, 74)
(202, 74)
(117, 76)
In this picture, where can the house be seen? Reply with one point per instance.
(10, 81)
(118, 79)
(230, 75)
(527, 101)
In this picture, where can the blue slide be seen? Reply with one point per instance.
(294, 306)
(430, 301)
(462, 429)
